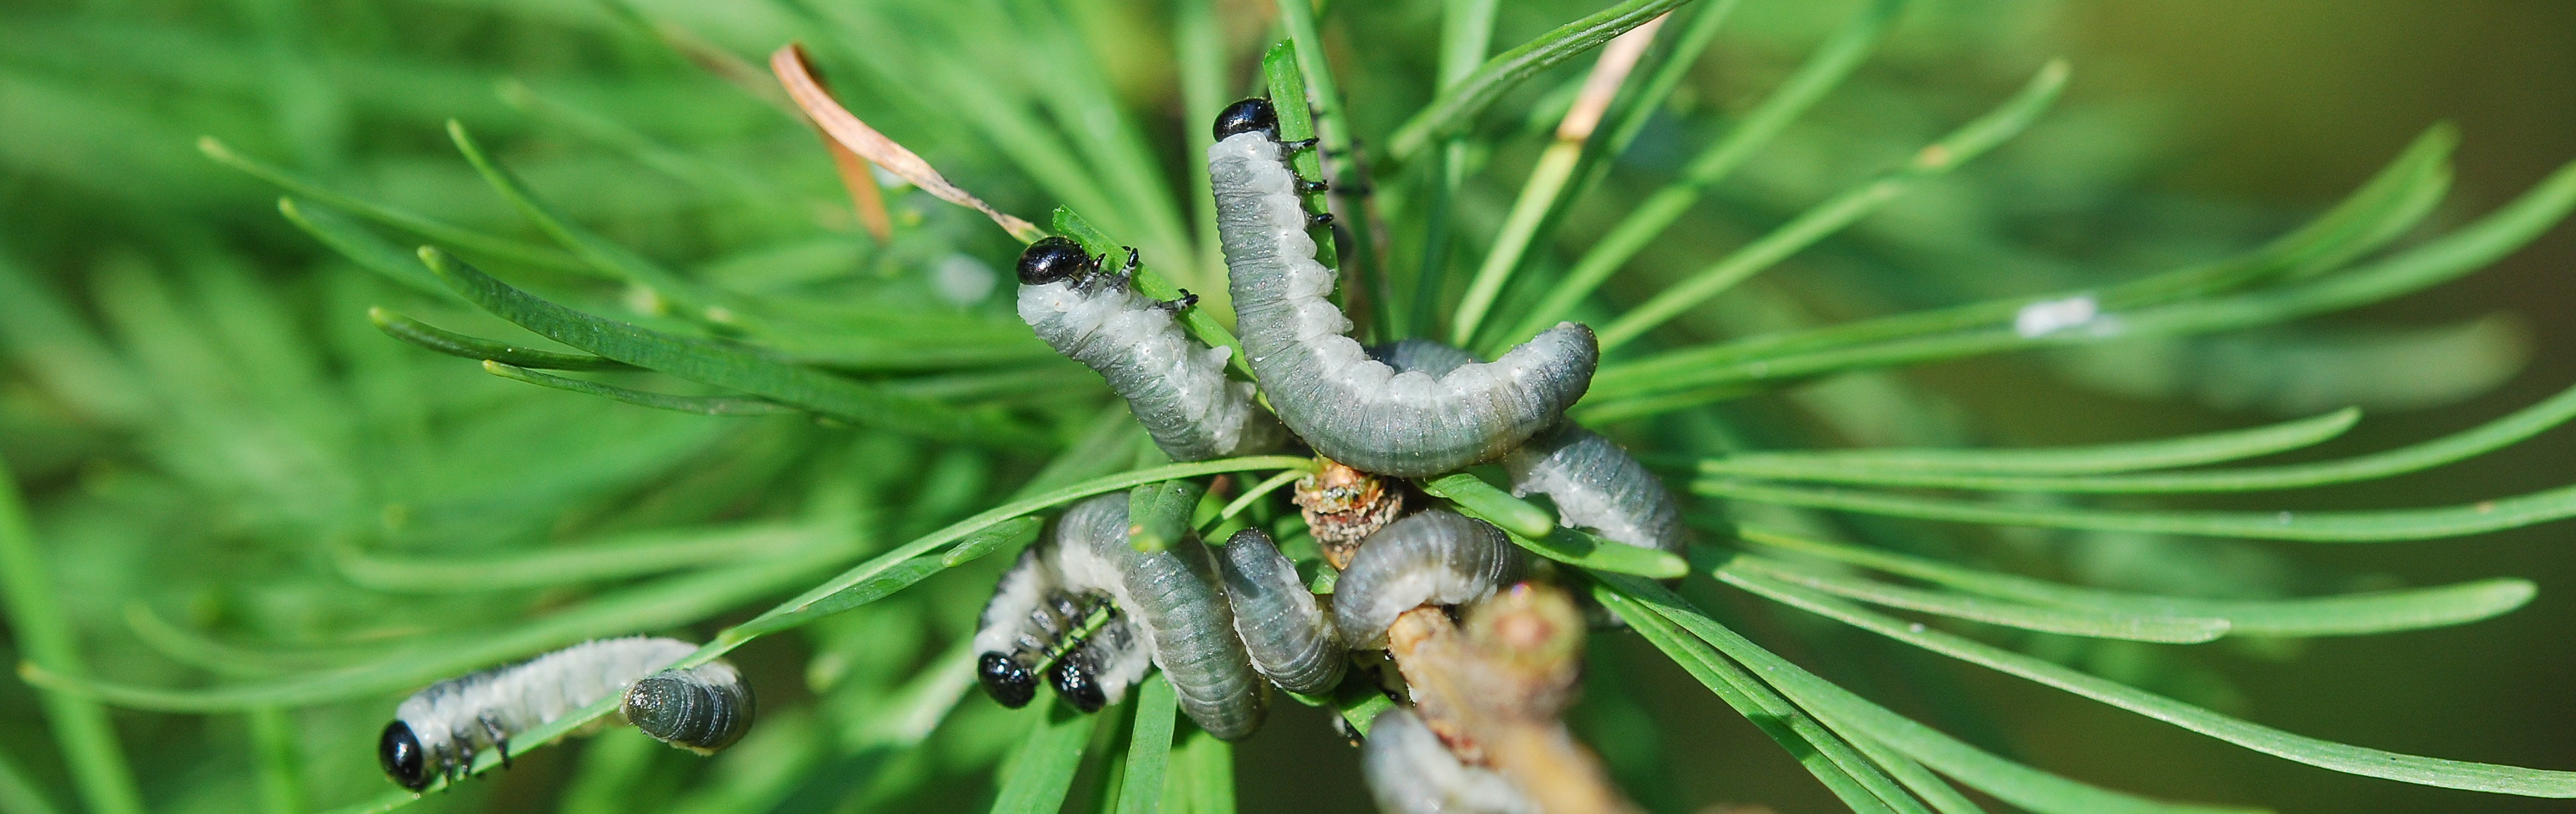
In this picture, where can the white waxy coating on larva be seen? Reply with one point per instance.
(448, 718)
(1178, 606)
(1409, 772)
(1598, 487)
(1430, 558)
(1015, 599)
(1284, 629)
(1176, 386)
(1349, 407)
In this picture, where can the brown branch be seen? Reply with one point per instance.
(1494, 690)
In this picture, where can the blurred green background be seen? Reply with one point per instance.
(2191, 129)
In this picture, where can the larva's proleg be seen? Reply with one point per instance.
(1349, 407)
(701, 709)
(1175, 385)
(1179, 609)
(438, 731)
(1597, 486)
(1435, 557)
(1410, 772)
(1284, 629)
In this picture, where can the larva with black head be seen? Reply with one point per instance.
(1178, 607)
(438, 731)
(1598, 487)
(1175, 385)
(1284, 630)
(1326, 389)
(1410, 772)
(1434, 557)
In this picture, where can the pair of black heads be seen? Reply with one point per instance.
(1013, 683)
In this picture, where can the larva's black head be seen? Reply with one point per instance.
(1075, 684)
(1052, 259)
(1009, 682)
(403, 759)
(1254, 115)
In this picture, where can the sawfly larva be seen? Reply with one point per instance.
(1349, 407)
(701, 709)
(1597, 486)
(1175, 385)
(1284, 629)
(1410, 772)
(1178, 607)
(1435, 557)
(437, 732)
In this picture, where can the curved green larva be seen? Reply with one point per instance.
(1434, 557)
(702, 709)
(1284, 629)
(1178, 606)
(1351, 408)
(1409, 772)
(1598, 487)
(1175, 385)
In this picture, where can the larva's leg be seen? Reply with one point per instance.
(1304, 185)
(1299, 145)
(500, 737)
(1176, 306)
(1127, 273)
(1319, 219)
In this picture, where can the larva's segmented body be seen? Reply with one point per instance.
(1409, 772)
(1178, 606)
(1284, 629)
(1418, 354)
(1175, 385)
(1597, 486)
(438, 731)
(1351, 408)
(1434, 557)
(702, 709)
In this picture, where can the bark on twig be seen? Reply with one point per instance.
(1494, 689)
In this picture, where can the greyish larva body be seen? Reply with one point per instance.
(1284, 629)
(1435, 557)
(1175, 385)
(1597, 487)
(1349, 407)
(1178, 607)
(1409, 772)
(438, 731)
(702, 709)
